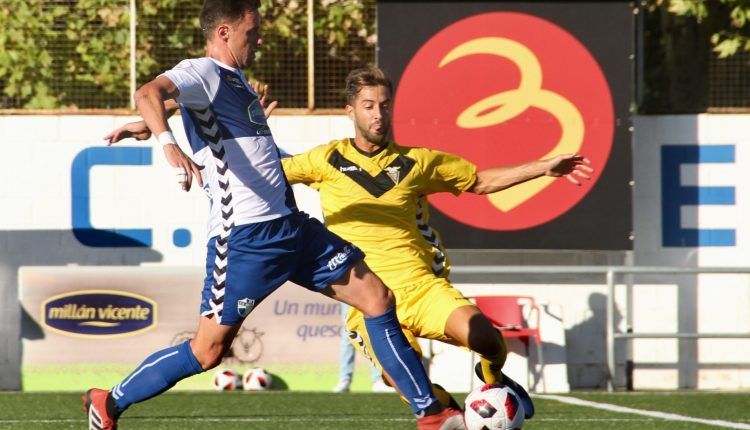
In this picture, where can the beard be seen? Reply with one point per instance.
(375, 138)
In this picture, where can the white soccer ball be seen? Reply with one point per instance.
(493, 407)
(256, 379)
(227, 380)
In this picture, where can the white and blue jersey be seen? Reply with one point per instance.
(258, 238)
(220, 110)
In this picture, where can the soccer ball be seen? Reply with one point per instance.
(493, 407)
(257, 379)
(227, 380)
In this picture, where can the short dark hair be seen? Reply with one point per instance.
(365, 77)
(215, 12)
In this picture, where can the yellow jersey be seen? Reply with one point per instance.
(378, 202)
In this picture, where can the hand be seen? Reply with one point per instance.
(572, 166)
(184, 166)
(137, 130)
(263, 93)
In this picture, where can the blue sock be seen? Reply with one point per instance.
(400, 360)
(158, 373)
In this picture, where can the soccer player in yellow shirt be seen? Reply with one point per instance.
(373, 193)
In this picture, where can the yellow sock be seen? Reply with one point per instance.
(492, 365)
(491, 370)
(443, 396)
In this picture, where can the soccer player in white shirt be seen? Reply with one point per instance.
(258, 238)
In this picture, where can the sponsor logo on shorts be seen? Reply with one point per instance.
(98, 313)
(245, 306)
(340, 258)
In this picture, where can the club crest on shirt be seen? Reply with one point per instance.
(244, 306)
(255, 112)
(393, 172)
(234, 81)
(258, 117)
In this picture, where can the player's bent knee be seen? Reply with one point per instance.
(488, 347)
(378, 302)
(484, 338)
(494, 346)
(385, 301)
(367, 292)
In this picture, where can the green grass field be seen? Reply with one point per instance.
(295, 410)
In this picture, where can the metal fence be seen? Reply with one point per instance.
(730, 83)
(612, 274)
(678, 70)
(91, 54)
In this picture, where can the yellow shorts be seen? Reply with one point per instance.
(423, 311)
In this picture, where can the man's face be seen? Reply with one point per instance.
(371, 113)
(244, 38)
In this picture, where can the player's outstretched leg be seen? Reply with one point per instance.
(161, 371)
(361, 288)
(158, 373)
(444, 397)
(469, 326)
(95, 406)
(528, 404)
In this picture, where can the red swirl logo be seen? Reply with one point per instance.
(501, 89)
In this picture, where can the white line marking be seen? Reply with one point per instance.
(655, 414)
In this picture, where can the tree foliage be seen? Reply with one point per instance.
(26, 53)
(344, 33)
(734, 35)
(76, 53)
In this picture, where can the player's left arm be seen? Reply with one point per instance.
(138, 130)
(304, 168)
(573, 167)
(263, 93)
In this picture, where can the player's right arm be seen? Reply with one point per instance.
(573, 167)
(447, 172)
(150, 100)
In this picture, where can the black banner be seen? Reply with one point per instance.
(502, 83)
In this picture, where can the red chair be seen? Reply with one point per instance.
(506, 314)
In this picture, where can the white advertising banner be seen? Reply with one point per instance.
(692, 190)
(130, 247)
(691, 206)
(64, 178)
(93, 325)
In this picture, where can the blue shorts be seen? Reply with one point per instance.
(262, 256)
